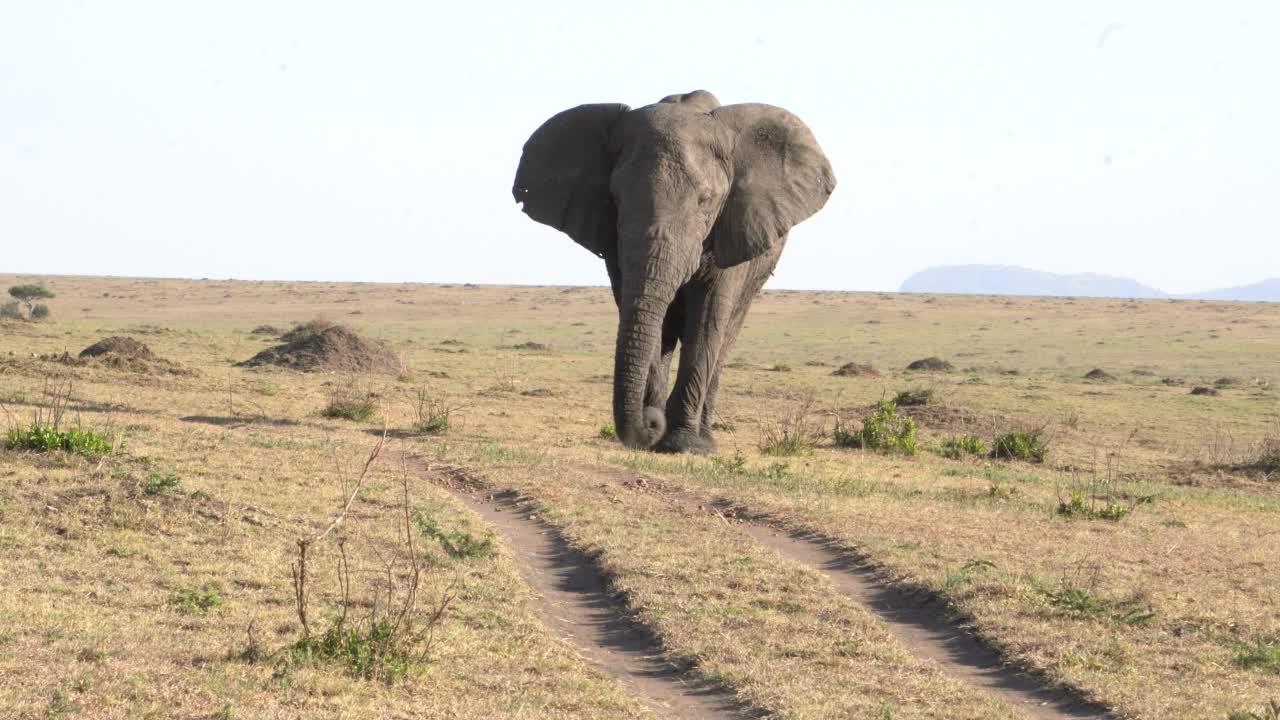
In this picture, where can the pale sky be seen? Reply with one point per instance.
(378, 140)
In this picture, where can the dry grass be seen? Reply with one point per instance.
(1145, 613)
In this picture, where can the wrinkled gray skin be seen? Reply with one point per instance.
(689, 204)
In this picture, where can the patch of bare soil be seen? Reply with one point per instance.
(334, 347)
(574, 600)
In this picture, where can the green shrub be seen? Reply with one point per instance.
(1020, 445)
(608, 431)
(157, 483)
(725, 425)
(11, 311)
(190, 601)
(46, 438)
(437, 424)
(914, 396)
(958, 446)
(884, 430)
(39, 312)
(358, 410)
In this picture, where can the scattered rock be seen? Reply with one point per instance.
(1173, 381)
(935, 364)
(1226, 382)
(1201, 390)
(333, 347)
(531, 346)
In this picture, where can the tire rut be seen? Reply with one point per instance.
(920, 620)
(574, 601)
(923, 626)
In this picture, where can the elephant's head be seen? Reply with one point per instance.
(659, 188)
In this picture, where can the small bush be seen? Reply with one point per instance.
(780, 367)
(914, 396)
(958, 446)
(1099, 375)
(11, 311)
(380, 650)
(358, 410)
(1020, 445)
(786, 442)
(792, 434)
(608, 431)
(157, 483)
(883, 430)
(40, 312)
(47, 438)
(725, 425)
(190, 601)
(1201, 390)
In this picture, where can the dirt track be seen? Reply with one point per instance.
(574, 600)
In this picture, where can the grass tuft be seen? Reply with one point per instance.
(1261, 655)
(157, 483)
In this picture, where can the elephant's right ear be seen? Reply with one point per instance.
(563, 178)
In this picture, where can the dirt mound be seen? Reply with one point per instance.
(120, 345)
(332, 348)
(853, 369)
(936, 364)
(1099, 375)
(120, 352)
(306, 329)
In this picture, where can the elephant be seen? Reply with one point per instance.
(689, 204)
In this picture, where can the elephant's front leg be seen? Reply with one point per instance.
(656, 389)
(707, 329)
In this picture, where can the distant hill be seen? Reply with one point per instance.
(1009, 280)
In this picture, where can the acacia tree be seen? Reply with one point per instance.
(29, 294)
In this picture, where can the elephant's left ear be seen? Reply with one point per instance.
(780, 177)
(563, 177)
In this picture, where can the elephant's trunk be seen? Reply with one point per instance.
(645, 298)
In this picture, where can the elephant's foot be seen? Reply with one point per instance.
(686, 441)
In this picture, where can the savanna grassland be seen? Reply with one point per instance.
(1136, 564)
